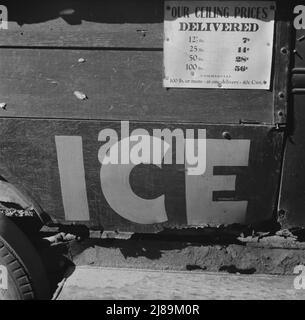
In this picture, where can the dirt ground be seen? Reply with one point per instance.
(134, 284)
(204, 267)
(264, 257)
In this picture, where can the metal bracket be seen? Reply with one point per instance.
(280, 127)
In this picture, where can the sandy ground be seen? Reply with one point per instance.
(120, 283)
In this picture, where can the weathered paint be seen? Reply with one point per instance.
(72, 177)
(49, 138)
(146, 197)
(199, 189)
(122, 43)
(116, 188)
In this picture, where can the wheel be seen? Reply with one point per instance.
(22, 274)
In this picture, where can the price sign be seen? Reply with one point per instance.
(218, 44)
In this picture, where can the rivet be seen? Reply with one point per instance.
(226, 135)
(297, 54)
(284, 50)
(281, 95)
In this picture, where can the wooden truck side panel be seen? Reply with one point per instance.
(112, 53)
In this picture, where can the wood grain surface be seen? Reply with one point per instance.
(39, 83)
(29, 160)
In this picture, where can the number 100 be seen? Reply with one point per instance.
(190, 66)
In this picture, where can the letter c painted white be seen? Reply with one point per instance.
(120, 197)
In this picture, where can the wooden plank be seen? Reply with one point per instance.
(243, 172)
(96, 24)
(281, 70)
(76, 23)
(292, 196)
(119, 85)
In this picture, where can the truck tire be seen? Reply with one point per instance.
(19, 261)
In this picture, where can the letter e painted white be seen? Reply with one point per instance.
(201, 209)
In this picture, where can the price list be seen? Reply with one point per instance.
(218, 44)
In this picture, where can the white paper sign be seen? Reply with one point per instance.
(218, 44)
